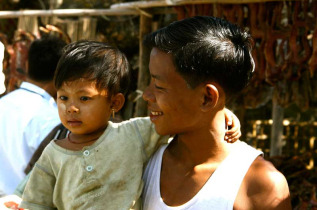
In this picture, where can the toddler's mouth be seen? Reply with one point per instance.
(74, 123)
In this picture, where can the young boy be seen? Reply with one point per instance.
(202, 62)
(99, 164)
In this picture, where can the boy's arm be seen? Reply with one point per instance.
(264, 187)
(233, 127)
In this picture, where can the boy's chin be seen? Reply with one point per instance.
(163, 132)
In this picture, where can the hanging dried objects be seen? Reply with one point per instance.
(285, 47)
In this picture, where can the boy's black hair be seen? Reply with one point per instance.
(94, 60)
(207, 49)
(43, 57)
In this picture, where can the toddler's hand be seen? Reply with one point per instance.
(233, 132)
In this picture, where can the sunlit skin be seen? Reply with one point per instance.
(197, 117)
(177, 109)
(84, 110)
(168, 86)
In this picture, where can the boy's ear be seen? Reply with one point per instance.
(117, 101)
(211, 97)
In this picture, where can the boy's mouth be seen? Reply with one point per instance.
(156, 113)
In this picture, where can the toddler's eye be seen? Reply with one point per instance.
(84, 98)
(63, 98)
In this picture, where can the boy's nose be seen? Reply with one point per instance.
(148, 94)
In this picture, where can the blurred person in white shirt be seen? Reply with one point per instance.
(2, 86)
(29, 113)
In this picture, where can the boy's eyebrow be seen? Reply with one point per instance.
(156, 77)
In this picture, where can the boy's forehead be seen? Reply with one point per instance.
(160, 61)
(157, 53)
(154, 51)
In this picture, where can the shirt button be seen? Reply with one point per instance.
(86, 152)
(89, 168)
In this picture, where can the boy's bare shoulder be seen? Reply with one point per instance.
(264, 187)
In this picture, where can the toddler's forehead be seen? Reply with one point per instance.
(83, 83)
(80, 82)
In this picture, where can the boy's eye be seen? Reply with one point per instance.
(84, 98)
(63, 98)
(158, 87)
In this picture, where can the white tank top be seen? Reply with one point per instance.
(219, 192)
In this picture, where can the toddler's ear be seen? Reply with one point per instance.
(117, 101)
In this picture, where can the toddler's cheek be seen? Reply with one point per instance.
(61, 108)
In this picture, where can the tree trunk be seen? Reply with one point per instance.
(277, 128)
(144, 57)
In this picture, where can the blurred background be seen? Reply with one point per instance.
(277, 111)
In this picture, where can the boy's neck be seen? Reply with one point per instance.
(206, 144)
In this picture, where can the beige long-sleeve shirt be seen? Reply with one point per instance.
(105, 175)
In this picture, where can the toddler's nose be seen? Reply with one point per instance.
(72, 109)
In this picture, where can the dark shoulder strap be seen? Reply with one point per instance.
(59, 132)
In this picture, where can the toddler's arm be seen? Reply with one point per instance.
(38, 193)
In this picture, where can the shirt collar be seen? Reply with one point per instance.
(36, 89)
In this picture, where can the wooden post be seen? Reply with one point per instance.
(277, 128)
(144, 57)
